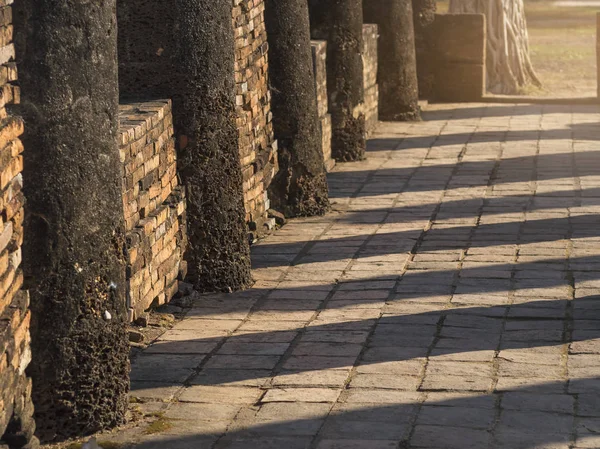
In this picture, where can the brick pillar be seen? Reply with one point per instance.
(340, 22)
(190, 59)
(73, 246)
(300, 187)
(397, 78)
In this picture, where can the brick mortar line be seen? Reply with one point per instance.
(569, 324)
(463, 252)
(439, 325)
(528, 208)
(410, 257)
(498, 396)
(489, 193)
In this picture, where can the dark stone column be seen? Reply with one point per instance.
(339, 22)
(73, 245)
(424, 15)
(300, 187)
(190, 58)
(397, 75)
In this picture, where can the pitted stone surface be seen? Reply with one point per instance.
(449, 300)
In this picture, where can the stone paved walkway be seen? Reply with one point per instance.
(450, 300)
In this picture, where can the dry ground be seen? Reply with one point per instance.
(563, 50)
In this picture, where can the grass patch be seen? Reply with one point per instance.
(563, 48)
(159, 425)
(109, 445)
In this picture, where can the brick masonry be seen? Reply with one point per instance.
(258, 148)
(458, 43)
(319, 54)
(154, 204)
(144, 72)
(16, 410)
(370, 107)
(371, 104)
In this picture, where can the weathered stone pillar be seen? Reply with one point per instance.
(339, 22)
(397, 76)
(73, 245)
(191, 60)
(300, 187)
(424, 15)
(598, 54)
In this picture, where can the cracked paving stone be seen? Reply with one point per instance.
(449, 437)
(164, 368)
(301, 395)
(456, 417)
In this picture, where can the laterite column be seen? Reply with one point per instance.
(340, 22)
(300, 187)
(190, 59)
(424, 16)
(397, 75)
(73, 244)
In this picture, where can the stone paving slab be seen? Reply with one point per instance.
(451, 299)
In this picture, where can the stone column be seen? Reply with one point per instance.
(300, 187)
(73, 239)
(397, 76)
(598, 54)
(424, 15)
(339, 22)
(191, 60)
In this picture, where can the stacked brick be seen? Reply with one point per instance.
(319, 54)
(371, 89)
(458, 46)
(16, 410)
(154, 205)
(258, 149)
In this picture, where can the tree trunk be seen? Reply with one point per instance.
(300, 187)
(74, 234)
(508, 65)
(397, 75)
(424, 15)
(340, 22)
(191, 60)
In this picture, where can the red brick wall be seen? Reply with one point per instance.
(15, 388)
(154, 204)
(258, 150)
(319, 53)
